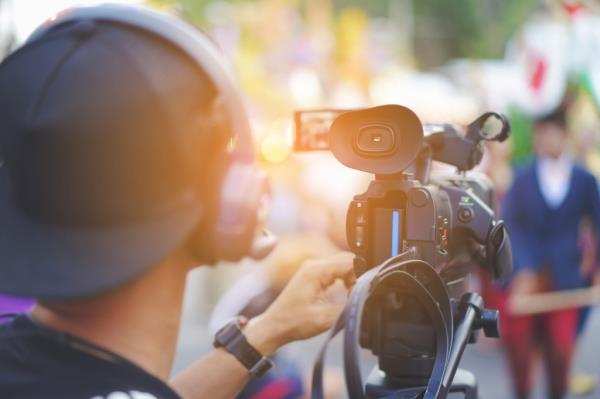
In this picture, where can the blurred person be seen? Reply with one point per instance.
(544, 210)
(253, 293)
(127, 160)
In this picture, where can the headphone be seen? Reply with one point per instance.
(234, 216)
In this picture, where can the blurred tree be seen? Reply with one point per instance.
(192, 10)
(446, 29)
(443, 29)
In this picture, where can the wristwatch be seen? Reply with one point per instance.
(231, 338)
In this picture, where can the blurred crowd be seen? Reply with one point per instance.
(297, 55)
(318, 54)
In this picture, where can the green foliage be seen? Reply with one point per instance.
(521, 133)
(467, 28)
(443, 29)
(192, 10)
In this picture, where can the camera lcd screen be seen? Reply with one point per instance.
(387, 237)
(312, 129)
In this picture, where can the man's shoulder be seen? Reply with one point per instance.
(35, 363)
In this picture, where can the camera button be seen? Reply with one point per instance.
(360, 236)
(465, 215)
(418, 198)
(361, 217)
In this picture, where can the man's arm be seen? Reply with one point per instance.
(303, 310)
(217, 375)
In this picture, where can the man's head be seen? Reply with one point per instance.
(550, 134)
(116, 132)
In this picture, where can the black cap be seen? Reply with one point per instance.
(102, 154)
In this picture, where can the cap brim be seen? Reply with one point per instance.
(55, 262)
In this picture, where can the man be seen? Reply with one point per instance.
(126, 162)
(544, 210)
(252, 294)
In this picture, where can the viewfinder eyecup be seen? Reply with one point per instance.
(382, 140)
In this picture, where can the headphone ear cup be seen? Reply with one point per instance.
(230, 220)
(245, 188)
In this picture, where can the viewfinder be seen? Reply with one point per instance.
(375, 140)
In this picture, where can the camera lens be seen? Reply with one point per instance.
(375, 140)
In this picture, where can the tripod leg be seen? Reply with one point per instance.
(466, 383)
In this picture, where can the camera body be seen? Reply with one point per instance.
(439, 218)
(398, 213)
(445, 222)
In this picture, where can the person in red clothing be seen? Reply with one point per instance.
(544, 210)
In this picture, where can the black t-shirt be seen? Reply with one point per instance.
(36, 362)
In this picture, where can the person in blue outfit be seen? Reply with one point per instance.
(544, 210)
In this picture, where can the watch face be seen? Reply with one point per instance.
(231, 338)
(228, 332)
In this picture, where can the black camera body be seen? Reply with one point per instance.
(398, 213)
(445, 223)
(404, 208)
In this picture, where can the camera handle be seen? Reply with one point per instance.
(439, 314)
(471, 317)
(317, 378)
(363, 281)
(446, 377)
(350, 320)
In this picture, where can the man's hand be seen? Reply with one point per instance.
(304, 308)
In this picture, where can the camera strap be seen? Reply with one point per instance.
(411, 284)
(362, 285)
(363, 281)
(350, 320)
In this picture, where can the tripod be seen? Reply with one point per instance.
(471, 316)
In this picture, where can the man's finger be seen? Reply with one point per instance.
(335, 310)
(330, 269)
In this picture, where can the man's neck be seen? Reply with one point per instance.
(139, 321)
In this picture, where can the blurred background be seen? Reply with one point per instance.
(448, 60)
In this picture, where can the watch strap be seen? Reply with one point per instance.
(232, 339)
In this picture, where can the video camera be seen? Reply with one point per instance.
(415, 236)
